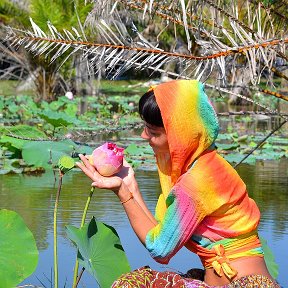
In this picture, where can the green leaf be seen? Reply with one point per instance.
(224, 136)
(13, 108)
(11, 166)
(99, 251)
(222, 146)
(84, 149)
(18, 252)
(235, 158)
(272, 266)
(252, 144)
(23, 131)
(133, 149)
(57, 119)
(46, 153)
(242, 138)
(268, 154)
(66, 163)
(71, 109)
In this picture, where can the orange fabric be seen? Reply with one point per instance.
(202, 195)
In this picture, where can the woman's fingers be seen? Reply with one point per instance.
(85, 160)
(87, 168)
(99, 181)
(112, 183)
(126, 164)
(87, 171)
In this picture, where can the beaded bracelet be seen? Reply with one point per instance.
(131, 197)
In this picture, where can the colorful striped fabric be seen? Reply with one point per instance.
(203, 199)
(146, 277)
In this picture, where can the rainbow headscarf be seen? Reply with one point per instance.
(191, 125)
(189, 120)
(203, 199)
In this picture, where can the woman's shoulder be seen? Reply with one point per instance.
(212, 178)
(212, 163)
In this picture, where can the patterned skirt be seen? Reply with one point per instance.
(145, 277)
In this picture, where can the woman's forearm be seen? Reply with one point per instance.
(134, 189)
(141, 219)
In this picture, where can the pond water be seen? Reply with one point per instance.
(33, 198)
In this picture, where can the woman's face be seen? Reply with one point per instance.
(157, 138)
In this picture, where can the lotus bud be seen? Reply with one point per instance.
(107, 159)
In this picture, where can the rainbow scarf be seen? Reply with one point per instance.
(183, 101)
(202, 196)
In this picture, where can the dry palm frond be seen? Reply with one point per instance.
(237, 33)
(117, 44)
(227, 40)
(228, 44)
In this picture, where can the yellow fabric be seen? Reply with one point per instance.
(221, 263)
(226, 250)
(202, 195)
(182, 102)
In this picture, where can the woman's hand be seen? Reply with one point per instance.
(126, 175)
(123, 184)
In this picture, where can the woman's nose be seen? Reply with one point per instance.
(144, 134)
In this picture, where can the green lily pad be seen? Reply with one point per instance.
(11, 166)
(57, 119)
(46, 153)
(18, 251)
(23, 131)
(267, 154)
(232, 146)
(134, 149)
(236, 158)
(242, 138)
(224, 136)
(99, 251)
(84, 149)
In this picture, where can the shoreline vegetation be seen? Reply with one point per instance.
(60, 127)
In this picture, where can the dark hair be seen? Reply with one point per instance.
(149, 110)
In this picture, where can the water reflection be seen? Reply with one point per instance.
(33, 198)
(267, 184)
(253, 123)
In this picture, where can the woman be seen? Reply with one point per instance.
(204, 204)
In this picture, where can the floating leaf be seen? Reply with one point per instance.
(84, 149)
(224, 136)
(57, 119)
(232, 146)
(18, 252)
(23, 131)
(267, 154)
(252, 144)
(242, 138)
(235, 158)
(100, 251)
(11, 166)
(46, 153)
(133, 149)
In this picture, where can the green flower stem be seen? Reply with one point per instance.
(75, 280)
(55, 231)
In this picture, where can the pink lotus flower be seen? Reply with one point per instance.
(107, 159)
